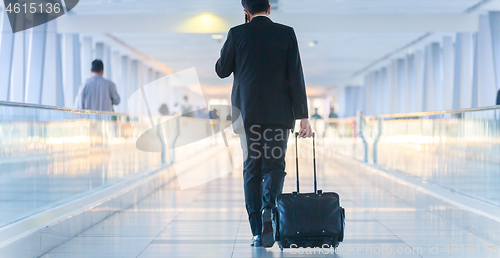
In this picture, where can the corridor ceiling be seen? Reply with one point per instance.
(338, 38)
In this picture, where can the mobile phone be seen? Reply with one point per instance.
(246, 18)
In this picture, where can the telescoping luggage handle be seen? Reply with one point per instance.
(297, 162)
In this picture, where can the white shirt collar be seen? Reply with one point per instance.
(261, 15)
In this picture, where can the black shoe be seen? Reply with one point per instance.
(256, 241)
(267, 235)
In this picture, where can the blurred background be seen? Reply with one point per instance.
(401, 94)
(383, 57)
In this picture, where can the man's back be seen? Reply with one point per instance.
(268, 80)
(498, 98)
(99, 94)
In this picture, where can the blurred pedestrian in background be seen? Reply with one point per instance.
(97, 93)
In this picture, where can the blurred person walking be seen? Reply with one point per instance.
(163, 110)
(332, 113)
(316, 115)
(331, 124)
(186, 108)
(97, 93)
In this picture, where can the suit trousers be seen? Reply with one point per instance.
(264, 149)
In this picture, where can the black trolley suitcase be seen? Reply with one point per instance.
(309, 219)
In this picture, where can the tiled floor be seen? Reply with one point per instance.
(210, 221)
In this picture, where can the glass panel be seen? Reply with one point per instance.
(49, 156)
(458, 151)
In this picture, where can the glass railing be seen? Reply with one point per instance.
(458, 150)
(49, 156)
(338, 137)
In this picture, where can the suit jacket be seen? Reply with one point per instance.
(498, 98)
(268, 83)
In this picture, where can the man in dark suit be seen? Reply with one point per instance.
(498, 98)
(269, 90)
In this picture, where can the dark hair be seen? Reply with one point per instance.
(97, 66)
(255, 6)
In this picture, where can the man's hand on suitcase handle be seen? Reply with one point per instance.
(305, 128)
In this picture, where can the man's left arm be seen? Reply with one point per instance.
(298, 87)
(296, 80)
(226, 63)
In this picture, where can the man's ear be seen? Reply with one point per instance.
(269, 10)
(248, 14)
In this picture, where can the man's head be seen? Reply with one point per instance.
(256, 7)
(97, 67)
(332, 110)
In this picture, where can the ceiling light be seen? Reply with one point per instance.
(204, 23)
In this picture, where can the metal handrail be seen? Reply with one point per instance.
(431, 113)
(378, 119)
(65, 109)
(416, 114)
(81, 111)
